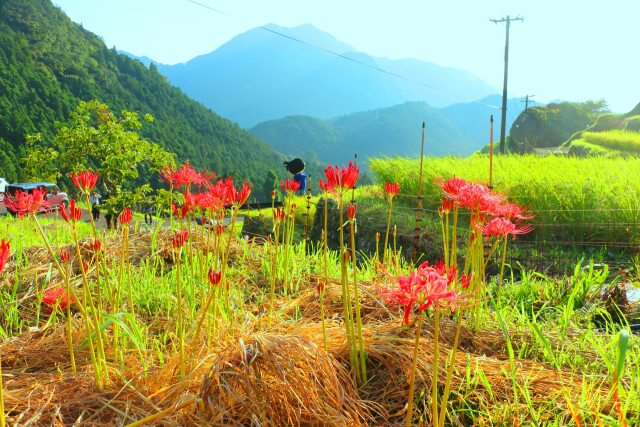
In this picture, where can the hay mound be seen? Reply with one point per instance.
(280, 380)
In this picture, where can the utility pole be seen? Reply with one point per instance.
(508, 20)
(526, 116)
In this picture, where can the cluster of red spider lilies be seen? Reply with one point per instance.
(441, 286)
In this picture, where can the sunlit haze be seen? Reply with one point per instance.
(563, 50)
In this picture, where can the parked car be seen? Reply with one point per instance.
(55, 197)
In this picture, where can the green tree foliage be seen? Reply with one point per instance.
(48, 64)
(98, 139)
(553, 124)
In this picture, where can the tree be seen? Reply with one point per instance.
(95, 138)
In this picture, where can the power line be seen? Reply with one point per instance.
(355, 61)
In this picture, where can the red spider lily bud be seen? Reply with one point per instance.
(180, 212)
(278, 215)
(377, 236)
(85, 180)
(290, 185)
(465, 280)
(325, 186)
(320, 287)
(292, 210)
(351, 211)
(72, 213)
(5, 247)
(85, 266)
(125, 216)
(214, 276)
(395, 230)
(220, 229)
(54, 296)
(65, 256)
(274, 194)
(446, 207)
(392, 189)
(96, 245)
(179, 238)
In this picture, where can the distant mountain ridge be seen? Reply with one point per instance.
(459, 129)
(259, 76)
(393, 131)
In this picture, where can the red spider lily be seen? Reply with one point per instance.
(446, 207)
(279, 214)
(342, 178)
(95, 245)
(125, 216)
(179, 238)
(351, 211)
(504, 227)
(180, 212)
(290, 185)
(5, 247)
(423, 288)
(209, 200)
(238, 197)
(512, 211)
(214, 276)
(186, 176)
(452, 186)
(478, 197)
(23, 203)
(72, 213)
(85, 180)
(85, 266)
(54, 296)
(392, 189)
(65, 256)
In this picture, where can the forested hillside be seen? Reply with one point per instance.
(393, 131)
(48, 64)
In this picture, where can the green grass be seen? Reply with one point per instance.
(621, 140)
(584, 200)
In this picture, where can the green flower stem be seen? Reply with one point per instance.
(326, 269)
(69, 329)
(451, 363)
(346, 300)
(179, 324)
(363, 362)
(434, 379)
(274, 272)
(2, 422)
(386, 234)
(504, 259)
(100, 364)
(412, 374)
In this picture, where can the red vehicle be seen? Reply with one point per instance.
(55, 197)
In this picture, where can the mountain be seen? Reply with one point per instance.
(472, 118)
(48, 64)
(393, 131)
(260, 75)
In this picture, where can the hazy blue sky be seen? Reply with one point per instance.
(564, 49)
